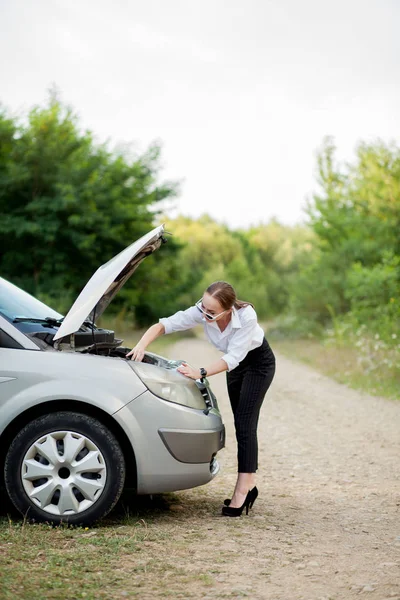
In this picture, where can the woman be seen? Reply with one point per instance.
(230, 325)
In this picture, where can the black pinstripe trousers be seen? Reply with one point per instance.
(247, 386)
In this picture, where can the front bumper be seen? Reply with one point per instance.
(193, 446)
(175, 446)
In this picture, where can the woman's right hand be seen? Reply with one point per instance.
(137, 353)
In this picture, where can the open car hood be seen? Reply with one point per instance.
(107, 281)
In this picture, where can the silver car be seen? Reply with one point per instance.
(78, 421)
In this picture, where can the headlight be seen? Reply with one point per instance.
(169, 385)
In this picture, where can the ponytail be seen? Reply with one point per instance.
(226, 295)
(241, 304)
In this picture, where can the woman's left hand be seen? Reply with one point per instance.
(188, 371)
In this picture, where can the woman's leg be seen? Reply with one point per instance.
(254, 385)
(244, 483)
(234, 381)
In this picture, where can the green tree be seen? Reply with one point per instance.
(356, 218)
(281, 250)
(257, 262)
(69, 204)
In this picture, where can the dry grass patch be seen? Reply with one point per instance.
(344, 364)
(39, 561)
(171, 546)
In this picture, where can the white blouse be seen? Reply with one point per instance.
(242, 334)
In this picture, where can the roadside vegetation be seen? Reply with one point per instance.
(135, 553)
(68, 204)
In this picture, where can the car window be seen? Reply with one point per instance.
(6, 341)
(14, 303)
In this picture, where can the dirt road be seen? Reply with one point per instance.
(327, 522)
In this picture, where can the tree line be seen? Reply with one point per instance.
(68, 204)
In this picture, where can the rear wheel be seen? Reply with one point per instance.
(64, 467)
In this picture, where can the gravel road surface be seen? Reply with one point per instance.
(326, 525)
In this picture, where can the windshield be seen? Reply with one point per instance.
(15, 303)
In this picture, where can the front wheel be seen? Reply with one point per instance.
(64, 467)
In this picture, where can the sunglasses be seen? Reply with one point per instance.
(199, 305)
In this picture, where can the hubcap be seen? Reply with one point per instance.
(63, 473)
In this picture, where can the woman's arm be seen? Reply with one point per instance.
(153, 332)
(180, 321)
(217, 367)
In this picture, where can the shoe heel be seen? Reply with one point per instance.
(253, 496)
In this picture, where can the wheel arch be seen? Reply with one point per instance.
(71, 406)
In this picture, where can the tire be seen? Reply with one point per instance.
(64, 467)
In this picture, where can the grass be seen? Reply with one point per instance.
(41, 561)
(343, 363)
(160, 547)
(38, 561)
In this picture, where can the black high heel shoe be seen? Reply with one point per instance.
(229, 511)
(253, 492)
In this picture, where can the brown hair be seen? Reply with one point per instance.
(226, 295)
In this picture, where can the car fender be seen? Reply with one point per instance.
(109, 399)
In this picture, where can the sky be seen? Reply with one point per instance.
(240, 93)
